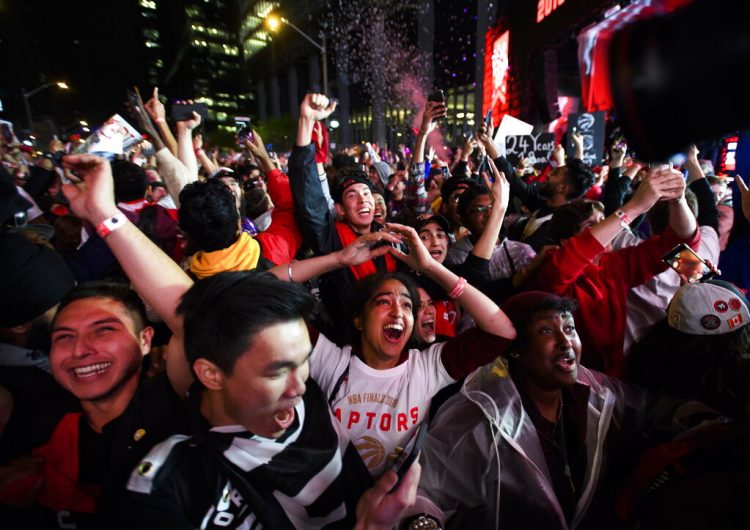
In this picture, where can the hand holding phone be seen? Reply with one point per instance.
(409, 454)
(184, 111)
(688, 264)
(244, 129)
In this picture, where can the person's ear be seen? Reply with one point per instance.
(358, 323)
(339, 209)
(146, 335)
(209, 374)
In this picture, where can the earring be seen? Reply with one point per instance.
(514, 354)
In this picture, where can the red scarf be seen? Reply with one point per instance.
(61, 490)
(347, 236)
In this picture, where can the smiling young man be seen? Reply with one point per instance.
(321, 232)
(99, 338)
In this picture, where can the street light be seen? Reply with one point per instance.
(26, 95)
(274, 22)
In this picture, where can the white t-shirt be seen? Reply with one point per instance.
(378, 410)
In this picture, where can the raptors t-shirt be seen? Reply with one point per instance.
(378, 410)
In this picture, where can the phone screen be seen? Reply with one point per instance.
(488, 117)
(689, 264)
(410, 453)
(244, 129)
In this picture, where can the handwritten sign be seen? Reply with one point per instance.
(536, 148)
(591, 127)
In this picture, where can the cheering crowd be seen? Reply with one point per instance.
(370, 338)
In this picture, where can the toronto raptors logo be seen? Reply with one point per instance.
(721, 306)
(371, 451)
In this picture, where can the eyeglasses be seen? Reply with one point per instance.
(480, 209)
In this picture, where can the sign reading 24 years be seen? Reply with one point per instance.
(535, 148)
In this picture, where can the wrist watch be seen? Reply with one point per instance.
(425, 522)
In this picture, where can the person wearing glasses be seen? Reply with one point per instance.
(508, 259)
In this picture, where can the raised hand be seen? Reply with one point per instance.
(367, 247)
(432, 111)
(197, 142)
(662, 183)
(499, 187)
(155, 108)
(418, 258)
(316, 107)
(92, 196)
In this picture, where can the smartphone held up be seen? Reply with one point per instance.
(244, 129)
(687, 263)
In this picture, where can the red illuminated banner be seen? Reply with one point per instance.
(728, 154)
(497, 71)
(545, 7)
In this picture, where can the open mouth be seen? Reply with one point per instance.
(566, 362)
(393, 332)
(436, 254)
(91, 370)
(284, 419)
(378, 216)
(364, 211)
(428, 327)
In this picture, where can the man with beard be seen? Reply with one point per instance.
(563, 184)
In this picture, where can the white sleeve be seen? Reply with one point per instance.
(328, 362)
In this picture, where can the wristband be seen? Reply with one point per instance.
(109, 225)
(458, 289)
(624, 219)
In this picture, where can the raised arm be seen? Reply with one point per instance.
(432, 111)
(708, 213)
(258, 149)
(664, 184)
(500, 193)
(314, 218)
(200, 154)
(364, 248)
(173, 172)
(487, 315)
(185, 150)
(155, 109)
(154, 275)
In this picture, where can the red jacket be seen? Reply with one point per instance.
(601, 289)
(282, 240)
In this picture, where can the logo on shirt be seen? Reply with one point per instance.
(370, 450)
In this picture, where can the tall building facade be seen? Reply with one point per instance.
(194, 52)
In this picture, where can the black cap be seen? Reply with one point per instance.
(453, 184)
(349, 179)
(425, 219)
(33, 279)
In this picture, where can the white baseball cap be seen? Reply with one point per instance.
(712, 307)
